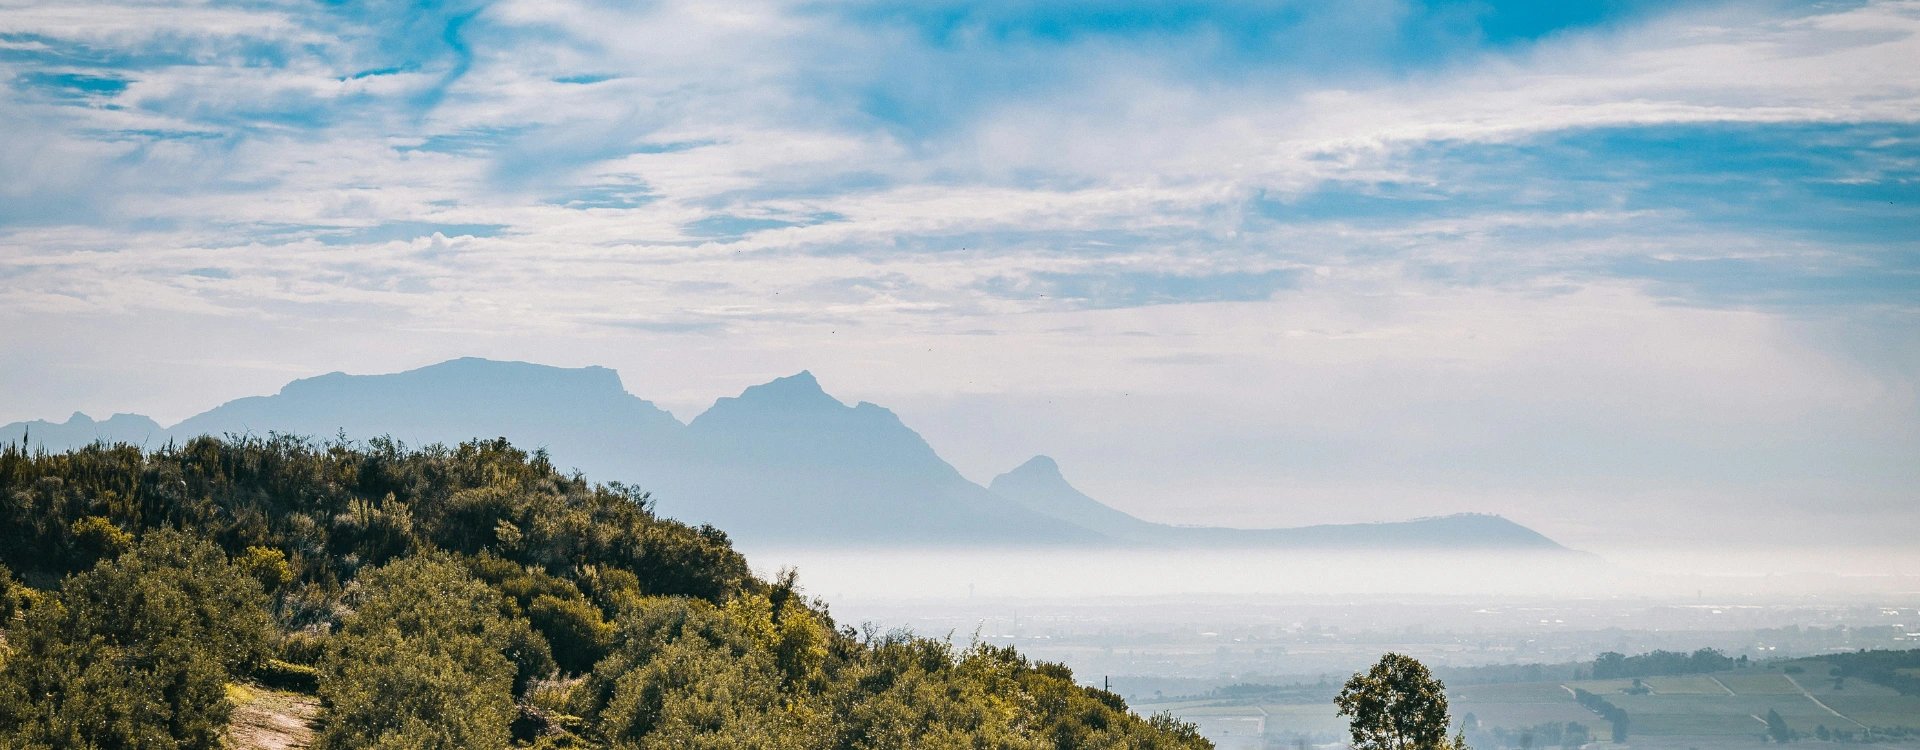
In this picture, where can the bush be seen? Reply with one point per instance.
(266, 565)
(96, 538)
(424, 591)
(136, 652)
(12, 598)
(578, 634)
(422, 662)
(275, 673)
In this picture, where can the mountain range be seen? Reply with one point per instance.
(782, 463)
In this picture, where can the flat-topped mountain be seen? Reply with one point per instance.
(583, 416)
(466, 396)
(784, 462)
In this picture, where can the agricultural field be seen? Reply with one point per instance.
(1721, 711)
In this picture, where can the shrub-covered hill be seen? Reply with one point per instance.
(468, 597)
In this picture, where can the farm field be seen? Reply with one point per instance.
(1721, 711)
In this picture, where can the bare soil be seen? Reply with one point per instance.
(270, 719)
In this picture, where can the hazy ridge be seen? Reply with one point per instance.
(783, 462)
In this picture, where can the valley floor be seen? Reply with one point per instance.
(1722, 711)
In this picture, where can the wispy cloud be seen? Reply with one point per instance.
(750, 183)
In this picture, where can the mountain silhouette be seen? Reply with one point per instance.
(783, 463)
(582, 416)
(80, 429)
(1039, 486)
(785, 460)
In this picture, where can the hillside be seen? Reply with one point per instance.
(465, 597)
(782, 463)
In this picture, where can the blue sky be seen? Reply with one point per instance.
(1229, 262)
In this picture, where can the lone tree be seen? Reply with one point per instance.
(1397, 705)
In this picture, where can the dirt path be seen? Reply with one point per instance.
(1816, 701)
(1723, 686)
(270, 719)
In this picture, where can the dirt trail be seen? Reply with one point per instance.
(270, 719)
(1723, 686)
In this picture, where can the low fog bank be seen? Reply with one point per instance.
(949, 575)
(1187, 623)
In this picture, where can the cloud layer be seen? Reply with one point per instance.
(1256, 263)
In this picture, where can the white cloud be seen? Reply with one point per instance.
(1114, 160)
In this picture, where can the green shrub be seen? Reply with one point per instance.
(426, 590)
(266, 565)
(578, 634)
(135, 652)
(12, 599)
(275, 673)
(96, 538)
(421, 663)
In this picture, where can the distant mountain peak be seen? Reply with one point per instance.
(81, 429)
(801, 385)
(1038, 474)
(1039, 485)
(799, 392)
(81, 419)
(1041, 465)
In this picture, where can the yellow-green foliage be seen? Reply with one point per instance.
(267, 565)
(97, 537)
(800, 650)
(287, 675)
(464, 597)
(332, 509)
(421, 663)
(10, 598)
(136, 652)
(579, 634)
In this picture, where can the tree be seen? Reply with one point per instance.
(1777, 728)
(1397, 705)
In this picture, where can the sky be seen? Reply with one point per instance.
(1636, 274)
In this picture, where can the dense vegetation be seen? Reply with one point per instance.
(1899, 670)
(467, 597)
(1614, 665)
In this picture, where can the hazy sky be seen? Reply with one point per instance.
(1624, 271)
